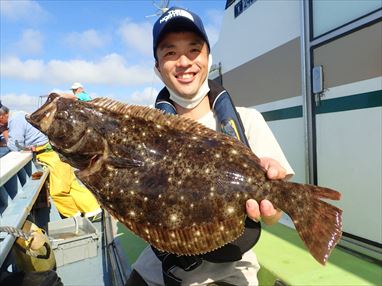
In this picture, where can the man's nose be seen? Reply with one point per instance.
(183, 60)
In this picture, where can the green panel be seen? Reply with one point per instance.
(266, 276)
(131, 244)
(352, 102)
(285, 113)
(346, 103)
(283, 256)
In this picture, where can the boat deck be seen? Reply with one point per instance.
(284, 257)
(19, 197)
(88, 272)
(285, 260)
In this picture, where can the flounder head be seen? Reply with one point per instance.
(66, 123)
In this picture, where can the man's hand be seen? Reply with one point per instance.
(273, 168)
(266, 211)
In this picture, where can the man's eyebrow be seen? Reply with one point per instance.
(197, 42)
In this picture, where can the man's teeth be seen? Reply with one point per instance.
(185, 76)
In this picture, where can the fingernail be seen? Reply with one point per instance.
(250, 204)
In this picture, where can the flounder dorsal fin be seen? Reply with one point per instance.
(158, 116)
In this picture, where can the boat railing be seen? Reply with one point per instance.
(18, 193)
(117, 258)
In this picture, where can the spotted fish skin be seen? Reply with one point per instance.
(177, 184)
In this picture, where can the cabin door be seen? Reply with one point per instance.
(346, 69)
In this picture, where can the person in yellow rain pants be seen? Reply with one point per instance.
(69, 195)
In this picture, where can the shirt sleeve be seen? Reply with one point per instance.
(16, 133)
(83, 96)
(261, 139)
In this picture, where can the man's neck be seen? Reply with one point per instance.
(194, 113)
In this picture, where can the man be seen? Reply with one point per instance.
(70, 197)
(79, 93)
(181, 50)
(3, 140)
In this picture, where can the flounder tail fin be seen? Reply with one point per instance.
(318, 223)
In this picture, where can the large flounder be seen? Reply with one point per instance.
(178, 185)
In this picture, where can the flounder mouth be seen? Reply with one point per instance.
(43, 117)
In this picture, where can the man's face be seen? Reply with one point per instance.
(77, 90)
(183, 62)
(3, 119)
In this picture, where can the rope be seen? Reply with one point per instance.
(25, 235)
(16, 232)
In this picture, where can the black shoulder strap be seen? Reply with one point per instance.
(226, 113)
(169, 261)
(163, 102)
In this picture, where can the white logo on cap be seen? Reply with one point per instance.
(176, 13)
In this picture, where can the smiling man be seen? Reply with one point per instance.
(182, 60)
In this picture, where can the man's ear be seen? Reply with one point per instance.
(157, 65)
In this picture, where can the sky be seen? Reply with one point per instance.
(105, 44)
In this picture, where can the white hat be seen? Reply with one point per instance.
(76, 85)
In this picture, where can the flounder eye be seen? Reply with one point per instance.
(51, 97)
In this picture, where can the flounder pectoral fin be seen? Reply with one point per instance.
(99, 163)
(123, 162)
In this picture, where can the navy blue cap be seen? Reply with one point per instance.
(177, 20)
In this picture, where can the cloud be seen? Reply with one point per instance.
(111, 69)
(137, 36)
(23, 10)
(86, 40)
(31, 42)
(23, 101)
(143, 97)
(14, 68)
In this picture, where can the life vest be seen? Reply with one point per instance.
(230, 124)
